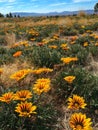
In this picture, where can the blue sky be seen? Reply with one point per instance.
(44, 6)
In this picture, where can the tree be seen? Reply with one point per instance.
(1, 15)
(18, 16)
(9, 15)
(15, 16)
(96, 8)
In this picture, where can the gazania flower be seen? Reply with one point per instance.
(82, 26)
(76, 102)
(20, 74)
(22, 95)
(96, 44)
(24, 43)
(51, 40)
(67, 60)
(1, 70)
(32, 39)
(53, 46)
(88, 31)
(78, 121)
(64, 46)
(41, 85)
(7, 97)
(56, 37)
(73, 38)
(41, 70)
(92, 35)
(44, 41)
(69, 79)
(96, 37)
(25, 109)
(72, 42)
(17, 54)
(85, 44)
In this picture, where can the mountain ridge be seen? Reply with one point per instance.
(26, 14)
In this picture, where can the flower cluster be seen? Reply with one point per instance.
(41, 85)
(78, 121)
(24, 108)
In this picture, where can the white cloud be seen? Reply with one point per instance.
(2, 0)
(11, 0)
(7, 1)
(58, 4)
(76, 1)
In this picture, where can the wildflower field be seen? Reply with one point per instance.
(49, 73)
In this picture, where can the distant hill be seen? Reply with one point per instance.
(26, 14)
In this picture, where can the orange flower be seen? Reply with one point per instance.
(67, 60)
(73, 38)
(25, 109)
(41, 70)
(88, 31)
(17, 54)
(41, 85)
(22, 95)
(79, 121)
(32, 39)
(85, 44)
(96, 44)
(64, 46)
(20, 74)
(45, 41)
(76, 102)
(82, 26)
(7, 97)
(25, 43)
(53, 46)
(70, 79)
(72, 42)
(96, 37)
(1, 70)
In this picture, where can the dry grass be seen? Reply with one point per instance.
(10, 39)
(65, 120)
(29, 22)
(92, 66)
(10, 69)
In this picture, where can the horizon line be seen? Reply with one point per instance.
(50, 11)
